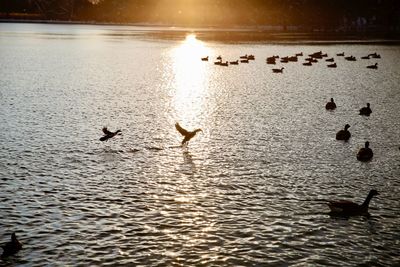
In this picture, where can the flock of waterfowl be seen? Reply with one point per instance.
(341, 207)
(309, 61)
(365, 153)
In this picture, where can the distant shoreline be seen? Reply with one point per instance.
(241, 33)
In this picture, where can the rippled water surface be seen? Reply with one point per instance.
(250, 190)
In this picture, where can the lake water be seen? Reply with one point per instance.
(250, 190)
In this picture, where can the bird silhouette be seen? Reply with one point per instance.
(365, 153)
(343, 134)
(366, 111)
(11, 247)
(330, 105)
(108, 134)
(349, 208)
(187, 134)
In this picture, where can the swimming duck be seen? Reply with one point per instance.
(365, 153)
(234, 62)
(350, 58)
(343, 134)
(375, 66)
(375, 55)
(108, 134)
(366, 111)
(307, 63)
(330, 59)
(278, 70)
(330, 105)
(11, 247)
(187, 134)
(340, 54)
(349, 208)
(366, 57)
(333, 65)
(204, 58)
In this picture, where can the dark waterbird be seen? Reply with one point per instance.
(343, 134)
(330, 105)
(375, 66)
(108, 134)
(366, 111)
(278, 70)
(349, 208)
(11, 247)
(365, 153)
(187, 134)
(333, 65)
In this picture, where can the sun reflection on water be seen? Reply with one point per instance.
(190, 81)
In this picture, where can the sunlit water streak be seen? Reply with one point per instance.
(248, 191)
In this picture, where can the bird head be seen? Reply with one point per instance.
(347, 126)
(367, 104)
(366, 144)
(373, 192)
(119, 132)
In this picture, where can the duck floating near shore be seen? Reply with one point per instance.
(349, 208)
(108, 134)
(187, 134)
(11, 247)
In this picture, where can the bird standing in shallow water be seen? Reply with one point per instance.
(343, 134)
(11, 247)
(108, 134)
(365, 153)
(187, 134)
(349, 208)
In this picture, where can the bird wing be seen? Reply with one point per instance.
(106, 131)
(181, 130)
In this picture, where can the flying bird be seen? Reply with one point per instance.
(187, 134)
(11, 247)
(108, 134)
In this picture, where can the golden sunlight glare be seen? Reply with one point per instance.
(190, 79)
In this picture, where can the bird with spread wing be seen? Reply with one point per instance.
(187, 134)
(108, 134)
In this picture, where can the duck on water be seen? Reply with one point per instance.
(343, 134)
(330, 105)
(366, 111)
(365, 153)
(12, 247)
(349, 208)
